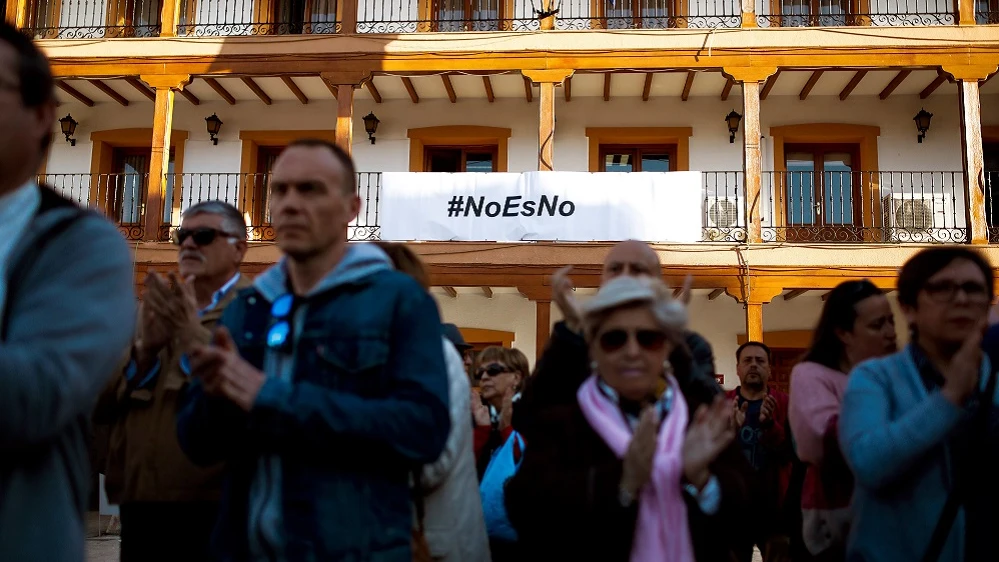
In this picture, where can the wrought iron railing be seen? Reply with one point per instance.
(86, 19)
(253, 17)
(122, 197)
(409, 16)
(648, 14)
(987, 12)
(724, 207)
(992, 204)
(879, 207)
(833, 13)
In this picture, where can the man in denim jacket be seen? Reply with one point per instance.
(329, 391)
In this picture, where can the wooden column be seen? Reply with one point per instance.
(752, 164)
(17, 13)
(753, 298)
(348, 16)
(966, 12)
(547, 80)
(159, 160)
(749, 13)
(543, 326)
(754, 321)
(971, 147)
(169, 18)
(345, 83)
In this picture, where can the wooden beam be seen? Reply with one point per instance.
(793, 294)
(991, 76)
(295, 89)
(769, 85)
(932, 87)
(75, 93)
(902, 75)
(648, 86)
(449, 87)
(812, 80)
(220, 90)
(567, 86)
(715, 294)
(677, 292)
(853, 84)
(138, 85)
(607, 84)
(256, 89)
(489, 89)
(727, 89)
(542, 325)
(688, 85)
(528, 92)
(451, 292)
(100, 85)
(825, 296)
(370, 85)
(332, 88)
(488, 292)
(411, 89)
(190, 97)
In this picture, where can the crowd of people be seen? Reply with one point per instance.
(323, 412)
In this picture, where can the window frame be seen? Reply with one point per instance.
(678, 136)
(464, 151)
(457, 135)
(638, 150)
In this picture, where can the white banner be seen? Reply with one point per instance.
(569, 206)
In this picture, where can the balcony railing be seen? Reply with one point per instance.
(835, 13)
(795, 207)
(987, 12)
(409, 16)
(879, 207)
(648, 14)
(87, 19)
(256, 17)
(992, 204)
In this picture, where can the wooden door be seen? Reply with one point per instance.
(782, 360)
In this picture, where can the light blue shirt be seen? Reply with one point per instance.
(16, 210)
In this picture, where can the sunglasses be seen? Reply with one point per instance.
(279, 336)
(201, 236)
(649, 340)
(491, 370)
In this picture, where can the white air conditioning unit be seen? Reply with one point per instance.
(919, 217)
(724, 217)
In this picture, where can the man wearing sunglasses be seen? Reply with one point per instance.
(67, 312)
(330, 390)
(168, 505)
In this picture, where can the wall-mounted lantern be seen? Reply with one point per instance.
(214, 126)
(68, 125)
(922, 120)
(371, 126)
(733, 120)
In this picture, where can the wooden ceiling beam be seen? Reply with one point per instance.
(214, 84)
(255, 88)
(370, 85)
(688, 85)
(190, 97)
(854, 82)
(451, 292)
(488, 85)
(677, 292)
(991, 76)
(812, 80)
(647, 89)
(607, 85)
(895, 82)
(825, 296)
(932, 87)
(449, 87)
(408, 83)
(75, 93)
(142, 88)
(727, 89)
(295, 89)
(567, 87)
(488, 292)
(794, 293)
(100, 85)
(528, 91)
(769, 85)
(715, 294)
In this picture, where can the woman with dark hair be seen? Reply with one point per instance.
(918, 429)
(856, 324)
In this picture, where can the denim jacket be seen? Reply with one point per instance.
(365, 402)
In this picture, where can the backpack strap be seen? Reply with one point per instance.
(50, 201)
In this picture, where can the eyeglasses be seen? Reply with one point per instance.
(201, 236)
(279, 336)
(946, 291)
(491, 370)
(649, 340)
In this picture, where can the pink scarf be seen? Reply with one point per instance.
(661, 532)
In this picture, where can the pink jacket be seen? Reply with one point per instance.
(816, 396)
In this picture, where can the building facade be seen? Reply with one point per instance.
(833, 139)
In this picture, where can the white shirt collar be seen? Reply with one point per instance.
(217, 296)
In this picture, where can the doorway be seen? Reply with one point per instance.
(991, 153)
(822, 195)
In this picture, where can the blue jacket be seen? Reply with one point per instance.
(364, 403)
(897, 437)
